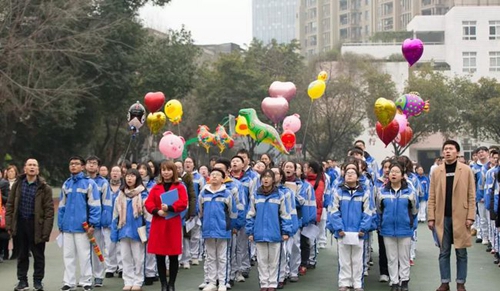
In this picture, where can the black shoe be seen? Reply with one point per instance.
(67, 288)
(310, 266)
(170, 287)
(404, 286)
(281, 285)
(109, 275)
(120, 274)
(479, 240)
(22, 285)
(231, 282)
(156, 279)
(395, 287)
(245, 274)
(148, 281)
(87, 288)
(164, 286)
(37, 285)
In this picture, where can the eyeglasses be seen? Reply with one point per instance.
(395, 172)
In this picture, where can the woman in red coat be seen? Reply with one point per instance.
(165, 236)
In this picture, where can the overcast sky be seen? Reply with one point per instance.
(210, 21)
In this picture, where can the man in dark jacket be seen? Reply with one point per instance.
(30, 217)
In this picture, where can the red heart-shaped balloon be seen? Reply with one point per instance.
(388, 133)
(154, 101)
(288, 138)
(405, 137)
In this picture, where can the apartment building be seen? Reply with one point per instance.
(274, 19)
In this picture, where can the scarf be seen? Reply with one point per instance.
(292, 178)
(137, 206)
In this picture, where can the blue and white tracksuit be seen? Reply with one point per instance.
(79, 202)
(218, 213)
(424, 184)
(250, 182)
(102, 231)
(351, 212)
(291, 205)
(267, 220)
(113, 258)
(372, 166)
(398, 211)
(150, 270)
(481, 222)
(195, 242)
(489, 201)
(131, 247)
(414, 181)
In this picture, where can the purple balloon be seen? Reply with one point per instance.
(275, 108)
(412, 50)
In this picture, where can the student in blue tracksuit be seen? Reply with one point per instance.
(249, 179)
(92, 166)
(424, 184)
(128, 217)
(268, 224)
(478, 168)
(290, 201)
(218, 213)
(397, 204)
(306, 213)
(489, 201)
(112, 254)
(236, 188)
(350, 216)
(380, 183)
(79, 202)
(148, 181)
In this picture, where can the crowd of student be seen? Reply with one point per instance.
(151, 219)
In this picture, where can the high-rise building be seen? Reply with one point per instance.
(274, 19)
(324, 24)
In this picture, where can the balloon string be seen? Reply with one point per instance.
(307, 125)
(128, 147)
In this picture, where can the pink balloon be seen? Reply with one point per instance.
(412, 50)
(286, 90)
(275, 108)
(292, 123)
(171, 145)
(402, 121)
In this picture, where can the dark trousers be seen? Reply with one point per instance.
(26, 243)
(173, 268)
(305, 250)
(382, 259)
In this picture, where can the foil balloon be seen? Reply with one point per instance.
(316, 89)
(241, 127)
(412, 50)
(154, 101)
(385, 110)
(323, 76)
(171, 145)
(136, 115)
(412, 104)
(286, 90)
(292, 123)
(223, 139)
(275, 108)
(173, 110)
(405, 137)
(288, 139)
(262, 132)
(402, 122)
(156, 121)
(205, 137)
(388, 133)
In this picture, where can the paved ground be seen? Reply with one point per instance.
(483, 274)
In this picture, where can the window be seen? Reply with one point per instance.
(344, 19)
(387, 24)
(469, 29)
(469, 62)
(495, 29)
(494, 61)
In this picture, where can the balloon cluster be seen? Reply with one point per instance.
(393, 117)
(157, 119)
(220, 138)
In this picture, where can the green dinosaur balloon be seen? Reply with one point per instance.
(260, 131)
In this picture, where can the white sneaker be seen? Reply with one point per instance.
(222, 288)
(195, 262)
(228, 286)
(485, 242)
(239, 277)
(384, 278)
(365, 273)
(210, 287)
(186, 266)
(202, 285)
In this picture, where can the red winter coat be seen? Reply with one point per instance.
(165, 235)
(318, 192)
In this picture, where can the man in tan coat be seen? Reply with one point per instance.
(451, 212)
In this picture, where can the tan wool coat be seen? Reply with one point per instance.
(463, 203)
